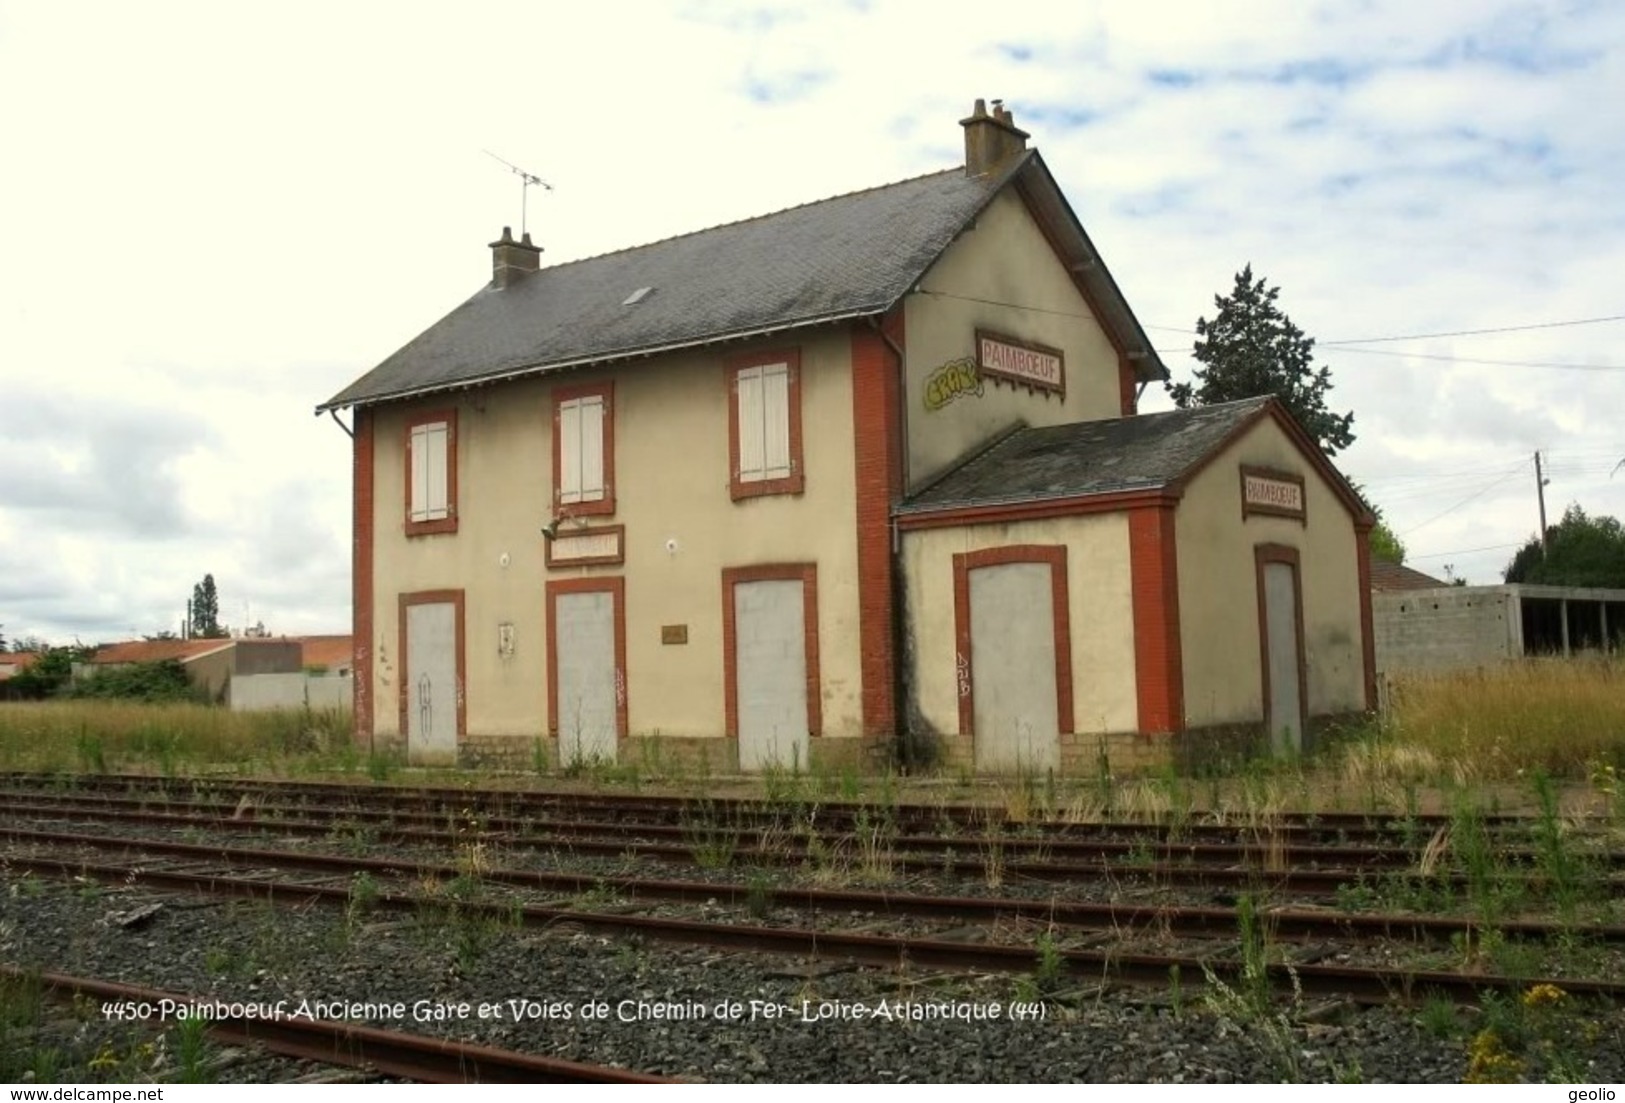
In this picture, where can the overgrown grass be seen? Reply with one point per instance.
(1563, 716)
(171, 738)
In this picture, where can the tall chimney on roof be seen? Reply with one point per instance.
(512, 261)
(990, 140)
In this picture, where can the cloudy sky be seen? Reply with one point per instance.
(216, 215)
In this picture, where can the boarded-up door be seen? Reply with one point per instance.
(1283, 677)
(1013, 670)
(587, 679)
(770, 671)
(431, 679)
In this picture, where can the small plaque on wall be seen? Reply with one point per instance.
(597, 546)
(1272, 493)
(674, 633)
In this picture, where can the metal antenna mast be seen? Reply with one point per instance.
(526, 179)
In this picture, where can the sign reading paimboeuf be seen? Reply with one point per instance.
(1004, 358)
(1274, 493)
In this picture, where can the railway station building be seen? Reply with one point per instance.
(858, 481)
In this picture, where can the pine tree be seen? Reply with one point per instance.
(1251, 348)
(204, 619)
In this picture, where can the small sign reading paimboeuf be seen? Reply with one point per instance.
(1272, 493)
(1005, 358)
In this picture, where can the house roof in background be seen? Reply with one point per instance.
(1142, 452)
(845, 257)
(19, 659)
(1387, 577)
(155, 651)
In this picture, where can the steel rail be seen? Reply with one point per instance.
(424, 1058)
(1269, 875)
(1364, 984)
(1068, 847)
(1194, 921)
(621, 803)
(1291, 880)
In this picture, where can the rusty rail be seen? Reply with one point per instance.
(423, 1058)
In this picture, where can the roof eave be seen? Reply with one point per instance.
(341, 402)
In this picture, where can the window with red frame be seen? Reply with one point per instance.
(584, 450)
(764, 421)
(431, 473)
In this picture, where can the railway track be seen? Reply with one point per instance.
(1252, 867)
(1348, 827)
(1190, 921)
(1359, 983)
(418, 1057)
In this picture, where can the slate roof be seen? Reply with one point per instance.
(840, 258)
(1142, 452)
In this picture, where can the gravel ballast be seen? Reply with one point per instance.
(609, 1001)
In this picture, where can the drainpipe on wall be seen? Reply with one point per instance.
(899, 643)
(902, 405)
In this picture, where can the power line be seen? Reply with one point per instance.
(1492, 363)
(1468, 360)
(1477, 332)
(1446, 333)
(1470, 498)
(1463, 551)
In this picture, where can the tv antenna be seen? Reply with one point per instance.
(526, 179)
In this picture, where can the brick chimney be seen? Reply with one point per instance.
(990, 140)
(512, 261)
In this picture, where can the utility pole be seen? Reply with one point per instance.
(1540, 494)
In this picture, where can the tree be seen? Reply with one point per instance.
(1385, 546)
(2, 641)
(203, 620)
(1580, 551)
(49, 674)
(1251, 348)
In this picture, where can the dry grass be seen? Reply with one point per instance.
(113, 735)
(1559, 715)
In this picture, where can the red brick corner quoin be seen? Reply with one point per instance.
(1158, 661)
(361, 596)
(878, 463)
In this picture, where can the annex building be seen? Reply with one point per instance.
(862, 480)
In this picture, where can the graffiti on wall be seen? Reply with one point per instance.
(954, 380)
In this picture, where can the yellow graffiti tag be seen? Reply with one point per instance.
(955, 379)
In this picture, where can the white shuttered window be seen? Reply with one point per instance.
(430, 498)
(581, 450)
(764, 422)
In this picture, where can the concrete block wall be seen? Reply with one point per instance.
(257, 692)
(1444, 629)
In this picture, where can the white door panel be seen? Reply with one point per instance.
(1285, 706)
(770, 668)
(431, 679)
(1016, 714)
(584, 638)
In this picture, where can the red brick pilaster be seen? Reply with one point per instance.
(878, 463)
(1158, 662)
(361, 596)
(1368, 642)
(1126, 385)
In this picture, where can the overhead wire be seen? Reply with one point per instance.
(1465, 501)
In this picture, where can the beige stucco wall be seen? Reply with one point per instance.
(1003, 260)
(671, 483)
(1218, 593)
(1099, 606)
